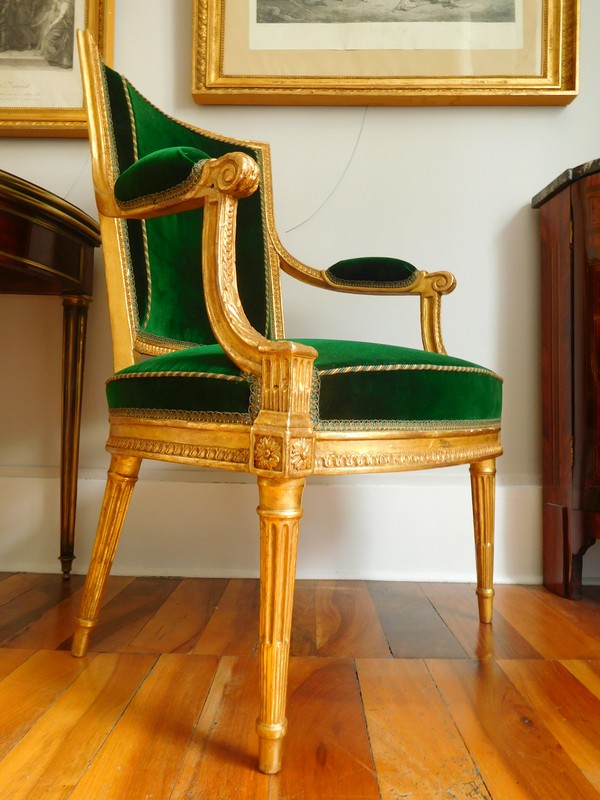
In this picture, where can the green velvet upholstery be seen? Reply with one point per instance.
(166, 172)
(357, 385)
(372, 271)
(155, 153)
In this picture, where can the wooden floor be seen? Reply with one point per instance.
(395, 691)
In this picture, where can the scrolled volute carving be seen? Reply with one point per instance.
(441, 282)
(235, 174)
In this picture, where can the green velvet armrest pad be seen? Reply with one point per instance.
(159, 176)
(372, 271)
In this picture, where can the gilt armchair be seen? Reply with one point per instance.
(204, 375)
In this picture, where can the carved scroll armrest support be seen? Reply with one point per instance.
(232, 177)
(431, 287)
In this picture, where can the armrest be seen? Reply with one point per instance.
(161, 176)
(394, 276)
(177, 179)
(372, 274)
(389, 276)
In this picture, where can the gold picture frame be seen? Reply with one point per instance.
(429, 52)
(40, 83)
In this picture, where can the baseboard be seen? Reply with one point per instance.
(393, 529)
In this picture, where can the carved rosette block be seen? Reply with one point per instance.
(122, 477)
(280, 509)
(483, 483)
(286, 455)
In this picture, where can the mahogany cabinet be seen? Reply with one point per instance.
(569, 216)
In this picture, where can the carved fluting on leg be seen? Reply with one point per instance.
(280, 510)
(122, 477)
(483, 489)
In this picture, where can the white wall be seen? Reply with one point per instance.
(445, 188)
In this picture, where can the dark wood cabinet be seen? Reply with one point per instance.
(569, 210)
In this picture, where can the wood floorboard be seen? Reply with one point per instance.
(454, 604)
(28, 605)
(516, 754)
(395, 691)
(412, 624)
(182, 618)
(143, 755)
(549, 631)
(233, 628)
(125, 615)
(37, 682)
(566, 707)
(304, 622)
(327, 734)
(347, 622)
(55, 754)
(418, 751)
(11, 659)
(584, 614)
(586, 672)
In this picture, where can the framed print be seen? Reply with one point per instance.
(40, 83)
(385, 52)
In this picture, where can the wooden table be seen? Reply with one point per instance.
(47, 248)
(570, 250)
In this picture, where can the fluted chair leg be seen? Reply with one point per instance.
(280, 509)
(122, 476)
(483, 489)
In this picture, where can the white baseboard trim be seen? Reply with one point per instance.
(372, 530)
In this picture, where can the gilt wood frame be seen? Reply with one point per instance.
(230, 68)
(42, 119)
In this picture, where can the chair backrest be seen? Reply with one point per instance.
(154, 266)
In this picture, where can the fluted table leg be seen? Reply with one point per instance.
(280, 509)
(75, 310)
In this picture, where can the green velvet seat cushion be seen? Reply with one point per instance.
(164, 172)
(372, 271)
(357, 385)
(199, 382)
(364, 385)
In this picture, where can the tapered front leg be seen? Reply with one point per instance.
(483, 489)
(280, 509)
(122, 476)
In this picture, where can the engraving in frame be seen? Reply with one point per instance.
(61, 121)
(524, 54)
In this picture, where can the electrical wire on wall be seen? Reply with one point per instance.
(340, 179)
